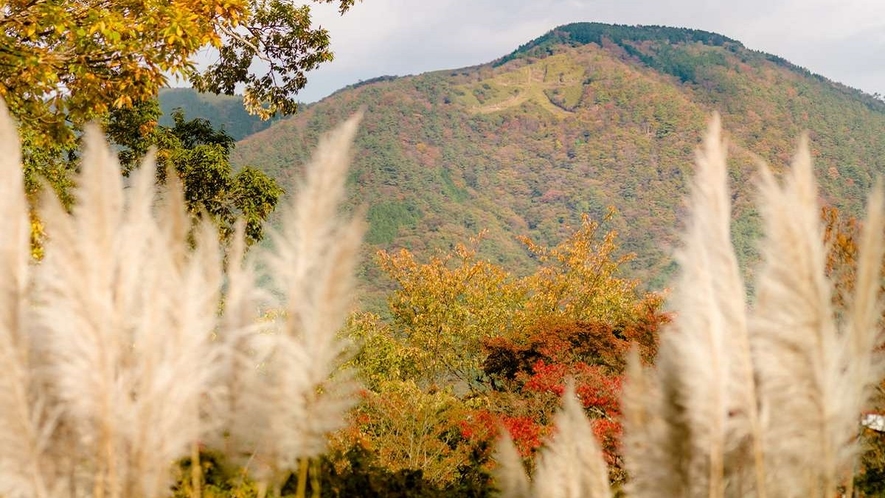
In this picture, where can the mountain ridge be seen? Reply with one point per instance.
(223, 111)
(523, 146)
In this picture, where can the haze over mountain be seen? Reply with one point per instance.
(585, 117)
(223, 111)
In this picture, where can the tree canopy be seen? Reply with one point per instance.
(199, 154)
(64, 62)
(67, 62)
(465, 348)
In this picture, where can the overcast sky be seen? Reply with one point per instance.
(843, 40)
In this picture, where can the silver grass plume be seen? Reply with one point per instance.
(756, 404)
(861, 329)
(116, 358)
(510, 475)
(814, 375)
(570, 466)
(27, 419)
(241, 321)
(125, 328)
(648, 455)
(296, 392)
(707, 388)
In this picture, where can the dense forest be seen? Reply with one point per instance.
(585, 118)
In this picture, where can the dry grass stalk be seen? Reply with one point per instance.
(571, 466)
(510, 472)
(705, 368)
(116, 360)
(299, 393)
(762, 400)
(125, 329)
(26, 420)
(815, 374)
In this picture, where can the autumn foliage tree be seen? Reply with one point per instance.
(474, 348)
(443, 309)
(579, 278)
(63, 63)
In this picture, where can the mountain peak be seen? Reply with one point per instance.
(582, 33)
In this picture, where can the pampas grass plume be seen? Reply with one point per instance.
(27, 420)
(510, 473)
(117, 362)
(704, 366)
(570, 466)
(761, 400)
(299, 393)
(125, 328)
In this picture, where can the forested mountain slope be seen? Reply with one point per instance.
(222, 111)
(585, 117)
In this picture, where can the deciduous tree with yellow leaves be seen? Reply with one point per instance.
(468, 347)
(66, 62)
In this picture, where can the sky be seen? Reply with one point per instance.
(843, 40)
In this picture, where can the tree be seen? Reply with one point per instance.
(281, 36)
(445, 308)
(528, 375)
(63, 63)
(459, 321)
(199, 155)
(579, 278)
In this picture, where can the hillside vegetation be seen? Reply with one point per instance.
(585, 117)
(223, 111)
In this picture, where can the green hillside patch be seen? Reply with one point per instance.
(386, 219)
(555, 83)
(566, 98)
(223, 111)
(453, 191)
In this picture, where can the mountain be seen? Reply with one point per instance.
(585, 117)
(223, 111)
